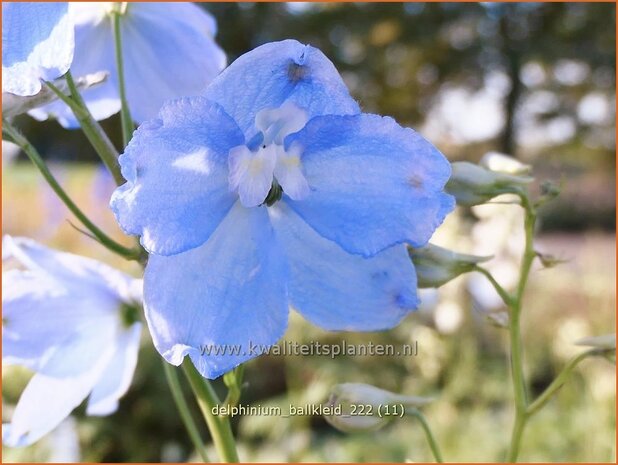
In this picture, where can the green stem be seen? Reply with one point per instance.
(91, 128)
(125, 114)
(505, 296)
(431, 440)
(233, 381)
(35, 157)
(183, 409)
(219, 426)
(516, 436)
(517, 369)
(557, 383)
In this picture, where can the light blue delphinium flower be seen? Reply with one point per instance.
(37, 43)
(72, 321)
(168, 52)
(273, 188)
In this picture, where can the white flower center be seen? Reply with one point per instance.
(255, 174)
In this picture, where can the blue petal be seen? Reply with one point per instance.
(229, 294)
(169, 52)
(94, 52)
(159, 41)
(275, 72)
(340, 291)
(116, 378)
(37, 43)
(373, 183)
(176, 167)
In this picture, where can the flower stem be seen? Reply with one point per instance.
(233, 381)
(219, 426)
(91, 128)
(431, 440)
(557, 383)
(15, 136)
(504, 295)
(517, 369)
(183, 409)
(125, 114)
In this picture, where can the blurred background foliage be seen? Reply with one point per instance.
(533, 80)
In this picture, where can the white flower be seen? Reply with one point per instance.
(72, 321)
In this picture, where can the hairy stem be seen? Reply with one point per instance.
(557, 383)
(504, 295)
(91, 128)
(183, 409)
(431, 440)
(517, 369)
(233, 381)
(15, 136)
(125, 114)
(219, 426)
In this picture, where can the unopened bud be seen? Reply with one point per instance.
(471, 184)
(499, 319)
(550, 189)
(436, 266)
(361, 407)
(548, 260)
(13, 105)
(605, 342)
(605, 345)
(501, 163)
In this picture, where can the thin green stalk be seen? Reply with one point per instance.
(91, 128)
(517, 369)
(183, 409)
(516, 436)
(431, 440)
(219, 426)
(233, 382)
(557, 383)
(505, 296)
(35, 157)
(125, 114)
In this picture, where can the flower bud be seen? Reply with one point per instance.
(550, 190)
(605, 345)
(13, 105)
(473, 185)
(362, 407)
(548, 260)
(605, 342)
(436, 266)
(501, 163)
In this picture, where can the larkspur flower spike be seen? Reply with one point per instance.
(72, 321)
(273, 189)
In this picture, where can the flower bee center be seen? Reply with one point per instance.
(129, 314)
(262, 175)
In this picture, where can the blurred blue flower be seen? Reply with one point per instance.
(37, 43)
(168, 50)
(273, 188)
(72, 321)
